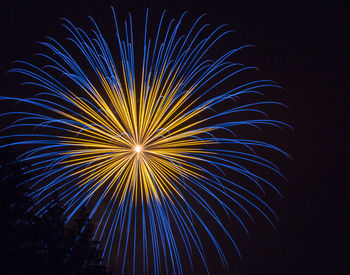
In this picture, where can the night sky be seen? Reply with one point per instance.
(300, 44)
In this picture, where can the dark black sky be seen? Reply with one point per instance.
(304, 46)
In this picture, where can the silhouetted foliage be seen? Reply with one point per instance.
(33, 244)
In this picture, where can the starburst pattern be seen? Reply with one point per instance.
(144, 148)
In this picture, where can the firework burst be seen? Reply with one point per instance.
(145, 148)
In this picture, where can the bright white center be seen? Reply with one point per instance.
(138, 149)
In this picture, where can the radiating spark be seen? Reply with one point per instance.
(145, 149)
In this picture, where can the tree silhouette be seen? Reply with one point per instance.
(19, 246)
(33, 244)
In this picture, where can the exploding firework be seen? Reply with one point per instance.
(151, 149)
